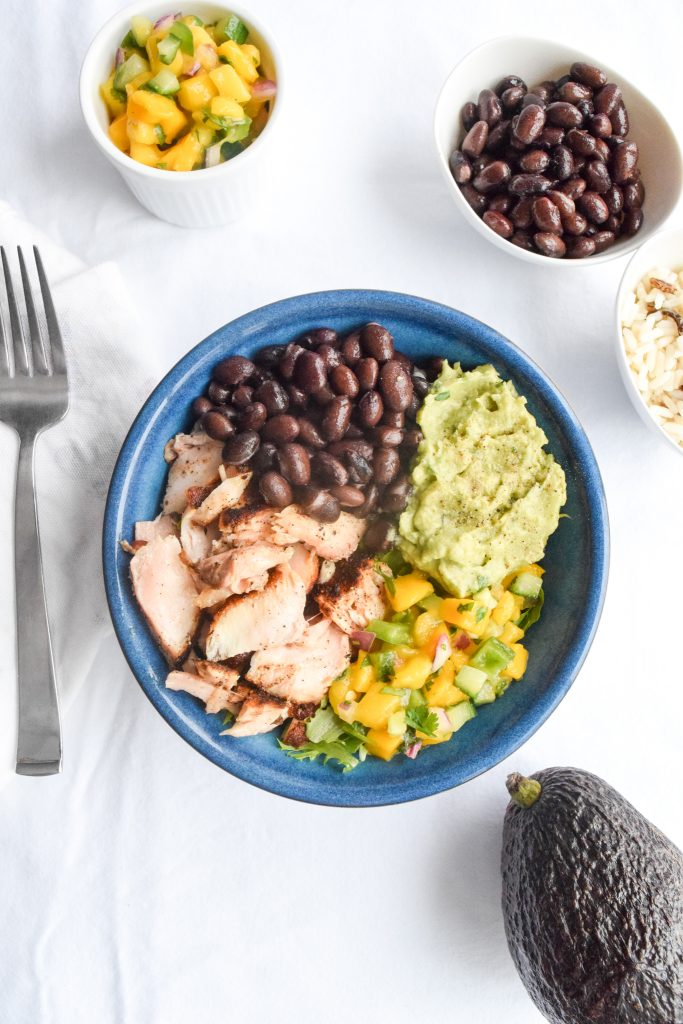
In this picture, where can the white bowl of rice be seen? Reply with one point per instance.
(649, 334)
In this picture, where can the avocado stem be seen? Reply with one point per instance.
(523, 791)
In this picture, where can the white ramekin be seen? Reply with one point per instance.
(664, 249)
(535, 60)
(203, 198)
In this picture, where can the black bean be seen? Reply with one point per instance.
(575, 223)
(253, 416)
(395, 497)
(581, 142)
(329, 470)
(597, 177)
(534, 161)
(520, 214)
(242, 396)
(475, 140)
(412, 438)
(330, 356)
(512, 97)
(593, 207)
(323, 397)
(574, 92)
(395, 386)
(563, 203)
(370, 408)
(545, 90)
(529, 184)
(325, 336)
(549, 244)
(602, 240)
(529, 123)
(460, 166)
(613, 223)
(295, 464)
(388, 437)
(270, 356)
(633, 195)
(296, 396)
(273, 396)
(588, 74)
(320, 504)
(348, 495)
(562, 165)
(241, 447)
(489, 108)
(468, 115)
(607, 99)
(217, 425)
(546, 215)
(309, 434)
(201, 405)
(288, 361)
(533, 99)
(217, 393)
(360, 469)
(579, 248)
(523, 240)
(600, 126)
(619, 120)
(498, 137)
(351, 350)
(353, 432)
(552, 135)
(377, 342)
(265, 458)
(344, 381)
(310, 372)
(500, 204)
(378, 536)
(624, 161)
(564, 114)
(370, 502)
(499, 223)
(393, 419)
(473, 198)
(493, 177)
(232, 371)
(633, 220)
(573, 188)
(260, 376)
(336, 419)
(342, 449)
(275, 490)
(367, 373)
(510, 82)
(281, 429)
(602, 150)
(386, 464)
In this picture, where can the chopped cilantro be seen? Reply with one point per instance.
(422, 718)
(532, 614)
(466, 607)
(480, 614)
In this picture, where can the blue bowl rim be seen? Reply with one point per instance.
(347, 301)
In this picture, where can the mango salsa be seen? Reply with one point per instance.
(183, 96)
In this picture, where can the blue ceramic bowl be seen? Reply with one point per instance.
(576, 560)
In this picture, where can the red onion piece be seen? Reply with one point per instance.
(462, 641)
(414, 749)
(444, 721)
(263, 89)
(208, 56)
(193, 69)
(364, 638)
(165, 22)
(442, 652)
(120, 57)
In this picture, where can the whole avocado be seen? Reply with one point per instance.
(592, 901)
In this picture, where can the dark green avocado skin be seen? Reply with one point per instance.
(593, 905)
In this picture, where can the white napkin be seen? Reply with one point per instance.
(109, 376)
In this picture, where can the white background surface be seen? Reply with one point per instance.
(145, 886)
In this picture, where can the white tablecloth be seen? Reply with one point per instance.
(145, 886)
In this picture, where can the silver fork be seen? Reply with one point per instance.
(34, 395)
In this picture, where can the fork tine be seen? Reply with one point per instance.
(55, 344)
(21, 363)
(5, 361)
(39, 361)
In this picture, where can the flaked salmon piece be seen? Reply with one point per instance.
(216, 696)
(305, 563)
(217, 673)
(148, 530)
(165, 590)
(259, 619)
(302, 670)
(212, 597)
(353, 596)
(329, 540)
(195, 464)
(242, 569)
(226, 495)
(259, 713)
(195, 538)
(248, 524)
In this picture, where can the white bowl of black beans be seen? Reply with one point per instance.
(547, 152)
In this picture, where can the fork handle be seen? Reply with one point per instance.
(39, 743)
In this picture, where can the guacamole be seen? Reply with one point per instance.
(486, 495)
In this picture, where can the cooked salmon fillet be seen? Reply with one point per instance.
(242, 569)
(302, 670)
(165, 590)
(216, 695)
(353, 596)
(329, 540)
(226, 495)
(248, 524)
(194, 459)
(196, 540)
(162, 526)
(259, 713)
(259, 619)
(305, 563)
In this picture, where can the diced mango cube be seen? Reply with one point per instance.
(252, 52)
(150, 155)
(185, 155)
(338, 691)
(517, 667)
(414, 673)
(222, 106)
(138, 131)
(228, 83)
(468, 614)
(197, 92)
(505, 609)
(443, 693)
(200, 37)
(119, 134)
(511, 634)
(425, 626)
(361, 675)
(137, 82)
(406, 591)
(115, 105)
(242, 63)
(375, 707)
(382, 744)
(533, 570)
(150, 108)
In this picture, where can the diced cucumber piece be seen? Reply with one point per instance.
(461, 713)
(165, 83)
(396, 725)
(182, 32)
(128, 41)
(160, 134)
(238, 131)
(167, 49)
(140, 28)
(526, 585)
(231, 149)
(431, 603)
(470, 680)
(389, 632)
(417, 699)
(486, 695)
(492, 657)
(132, 67)
(384, 664)
(232, 27)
